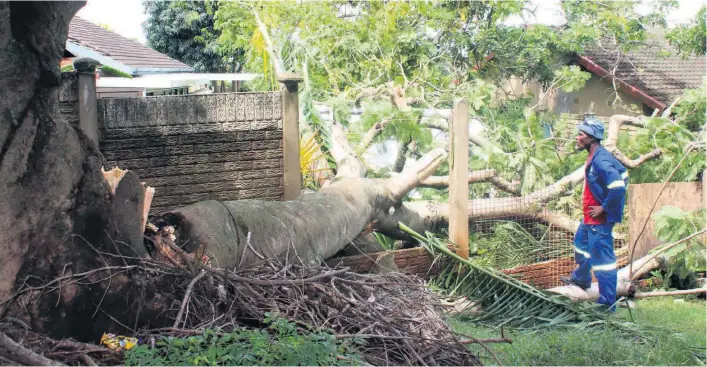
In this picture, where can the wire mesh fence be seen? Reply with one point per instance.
(530, 234)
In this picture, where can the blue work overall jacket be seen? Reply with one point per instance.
(607, 179)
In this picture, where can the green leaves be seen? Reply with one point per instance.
(571, 78)
(282, 343)
(673, 224)
(503, 300)
(615, 21)
(508, 244)
(692, 108)
(185, 30)
(691, 39)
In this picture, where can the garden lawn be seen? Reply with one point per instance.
(676, 337)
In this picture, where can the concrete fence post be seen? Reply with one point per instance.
(289, 86)
(88, 109)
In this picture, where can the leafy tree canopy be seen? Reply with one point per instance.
(184, 30)
(395, 60)
(691, 38)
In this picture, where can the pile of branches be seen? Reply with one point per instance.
(395, 315)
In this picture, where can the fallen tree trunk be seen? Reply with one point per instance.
(309, 229)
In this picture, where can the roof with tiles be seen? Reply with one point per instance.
(123, 50)
(656, 69)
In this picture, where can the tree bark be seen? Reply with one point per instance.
(56, 208)
(487, 175)
(309, 229)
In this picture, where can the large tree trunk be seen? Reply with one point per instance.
(56, 209)
(310, 229)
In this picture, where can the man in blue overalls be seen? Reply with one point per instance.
(603, 198)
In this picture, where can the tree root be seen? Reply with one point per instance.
(20, 354)
(54, 352)
(395, 315)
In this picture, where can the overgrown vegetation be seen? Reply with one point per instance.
(691, 38)
(282, 343)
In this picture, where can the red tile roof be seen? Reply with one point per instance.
(656, 70)
(123, 50)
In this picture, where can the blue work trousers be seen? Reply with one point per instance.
(594, 250)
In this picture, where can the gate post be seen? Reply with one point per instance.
(88, 109)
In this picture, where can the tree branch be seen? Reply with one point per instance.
(348, 163)
(487, 175)
(669, 293)
(411, 177)
(615, 123)
(474, 138)
(185, 300)
(400, 157)
(24, 355)
(624, 285)
(372, 133)
(397, 97)
(270, 48)
(426, 215)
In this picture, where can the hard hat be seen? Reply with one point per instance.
(592, 126)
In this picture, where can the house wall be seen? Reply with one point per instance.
(601, 94)
(193, 148)
(596, 91)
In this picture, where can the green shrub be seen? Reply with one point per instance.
(282, 343)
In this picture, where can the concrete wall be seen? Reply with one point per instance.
(192, 148)
(69, 97)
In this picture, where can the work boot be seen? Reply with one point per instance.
(571, 281)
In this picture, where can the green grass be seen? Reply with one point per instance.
(676, 337)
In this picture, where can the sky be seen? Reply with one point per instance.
(125, 17)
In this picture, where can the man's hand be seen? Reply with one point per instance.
(596, 211)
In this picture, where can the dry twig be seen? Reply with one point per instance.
(187, 294)
(24, 355)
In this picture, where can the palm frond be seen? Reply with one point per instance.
(501, 299)
(314, 169)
